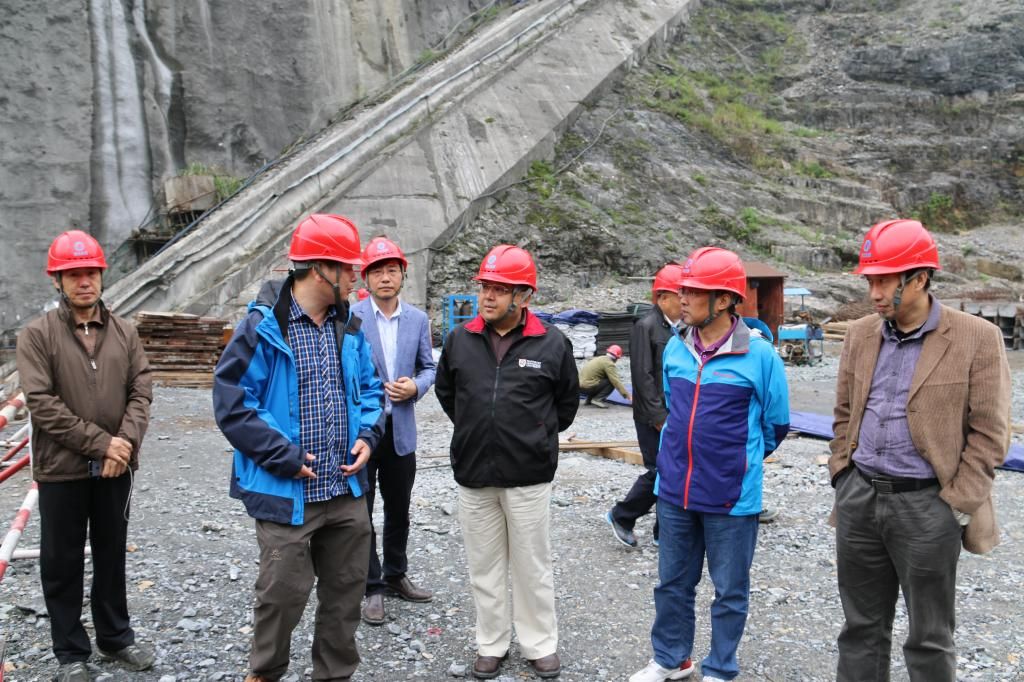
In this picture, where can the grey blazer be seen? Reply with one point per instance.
(413, 359)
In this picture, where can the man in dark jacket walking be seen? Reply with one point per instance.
(88, 387)
(297, 395)
(646, 345)
(509, 384)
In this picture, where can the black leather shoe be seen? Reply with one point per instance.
(547, 667)
(373, 610)
(487, 667)
(405, 589)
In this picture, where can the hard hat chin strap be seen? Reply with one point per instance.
(897, 297)
(712, 314)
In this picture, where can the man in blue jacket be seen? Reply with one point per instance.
(296, 394)
(728, 408)
(399, 335)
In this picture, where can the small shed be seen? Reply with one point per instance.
(764, 299)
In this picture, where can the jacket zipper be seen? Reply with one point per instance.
(689, 441)
(689, 433)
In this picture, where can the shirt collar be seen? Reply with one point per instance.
(889, 329)
(378, 311)
(295, 312)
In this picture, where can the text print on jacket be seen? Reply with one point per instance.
(256, 403)
(507, 417)
(725, 417)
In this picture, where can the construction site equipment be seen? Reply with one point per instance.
(1008, 316)
(796, 343)
(458, 308)
(17, 527)
(10, 408)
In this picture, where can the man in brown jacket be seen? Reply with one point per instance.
(87, 385)
(922, 419)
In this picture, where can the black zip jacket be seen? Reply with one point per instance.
(507, 417)
(647, 341)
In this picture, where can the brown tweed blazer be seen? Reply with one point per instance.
(958, 410)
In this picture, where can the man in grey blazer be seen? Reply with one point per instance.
(399, 335)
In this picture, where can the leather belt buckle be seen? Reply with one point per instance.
(883, 486)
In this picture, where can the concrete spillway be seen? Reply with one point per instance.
(418, 164)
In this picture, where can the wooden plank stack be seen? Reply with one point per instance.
(182, 349)
(835, 331)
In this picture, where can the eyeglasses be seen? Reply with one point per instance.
(496, 289)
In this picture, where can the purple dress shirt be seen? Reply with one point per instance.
(884, 445)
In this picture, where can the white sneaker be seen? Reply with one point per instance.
(655, 673)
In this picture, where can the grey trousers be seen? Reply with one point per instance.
(334, 546)
(886, 543)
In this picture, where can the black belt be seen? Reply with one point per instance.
(887, 485)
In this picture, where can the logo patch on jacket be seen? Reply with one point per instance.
(532, 364)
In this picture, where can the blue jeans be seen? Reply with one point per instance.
(728, 542)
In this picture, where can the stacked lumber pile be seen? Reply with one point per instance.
(835, 331)
(182, 349)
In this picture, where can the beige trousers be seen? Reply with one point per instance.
(507, 530)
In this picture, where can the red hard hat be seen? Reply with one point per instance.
(614, 350)
(508, 264)
(379, 249)
(325, 237)
(74, 249)
(362, 294)
(715, 269)
(897, 246)
(669, 278)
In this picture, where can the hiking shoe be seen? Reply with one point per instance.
(132, 657)
(655, 673)
(623, 535)
(73, 672)
(768, 515)
(596, 402)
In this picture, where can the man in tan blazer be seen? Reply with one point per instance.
(922, 418)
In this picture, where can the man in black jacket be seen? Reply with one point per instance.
(646, 344)
(508, 382)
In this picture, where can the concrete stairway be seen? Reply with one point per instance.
(419, 164)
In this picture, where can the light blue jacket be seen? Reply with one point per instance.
(413, 359)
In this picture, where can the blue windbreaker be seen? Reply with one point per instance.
(256, 404)
(724, 418)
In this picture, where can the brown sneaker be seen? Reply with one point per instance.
(487, 667)
(547, 666)
(373, 610)
(408, 591)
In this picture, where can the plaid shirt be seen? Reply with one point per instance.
(323, 423)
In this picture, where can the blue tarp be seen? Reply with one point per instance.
(820, 426)
(576, 316)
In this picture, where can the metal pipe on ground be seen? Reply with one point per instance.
(17, 527)
(14, 450)
(11, 408)
(13, 469)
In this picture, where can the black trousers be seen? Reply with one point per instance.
(396, 475)
(641, 498)
(598, 392)
(67, 512)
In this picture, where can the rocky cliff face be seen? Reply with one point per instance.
(784, 130)
(108, 97)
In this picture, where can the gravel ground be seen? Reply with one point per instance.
(193, 562)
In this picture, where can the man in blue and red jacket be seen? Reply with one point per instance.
(728, 409)
(508, 382)
(297, 395)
